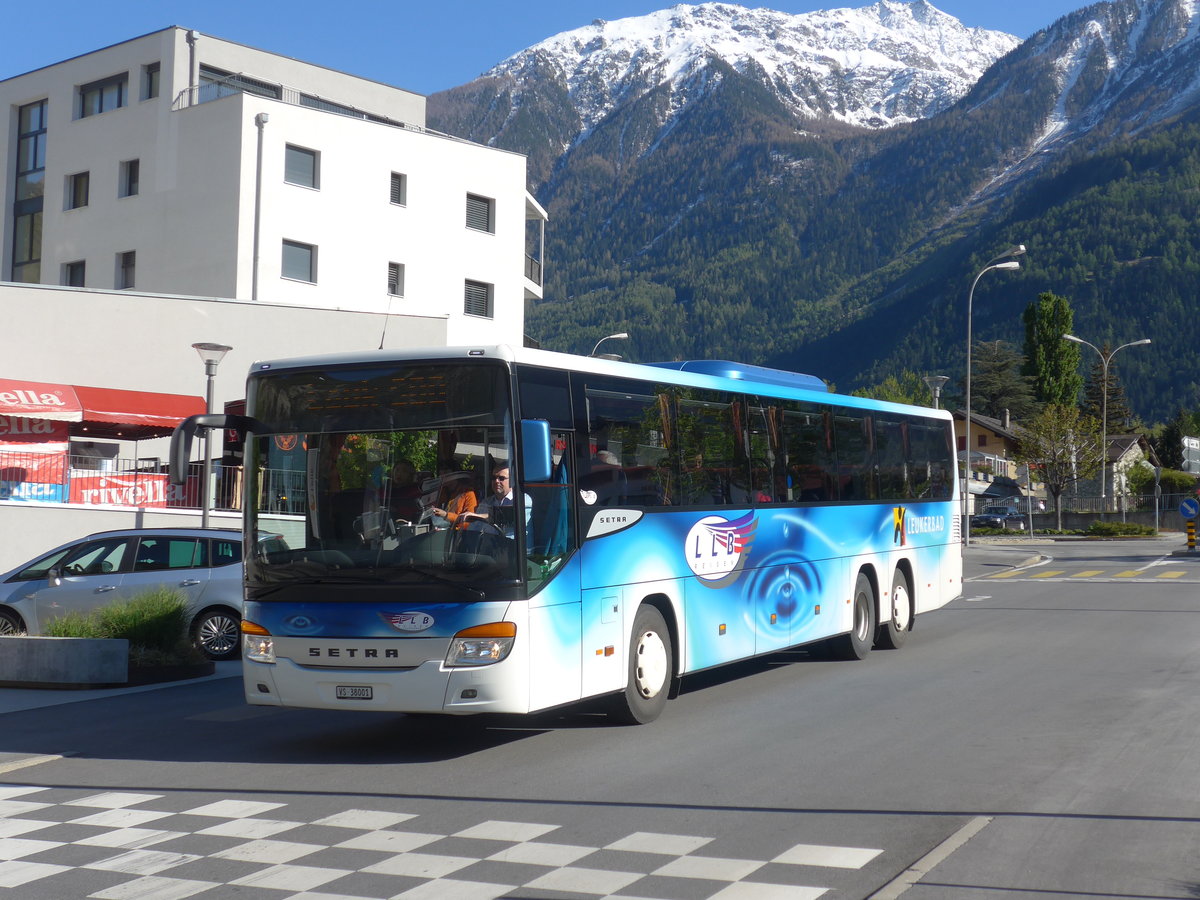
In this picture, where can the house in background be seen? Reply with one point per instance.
(995, 474)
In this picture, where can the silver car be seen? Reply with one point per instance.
(203, 564)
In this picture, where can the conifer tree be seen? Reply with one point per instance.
(997, 383)
(1121, 419)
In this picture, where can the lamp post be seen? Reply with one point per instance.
(936, 382)
(1003, 261)
(621, 336)
(1105, 359)
(212, 354)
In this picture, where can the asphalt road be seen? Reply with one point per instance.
(1036, 738)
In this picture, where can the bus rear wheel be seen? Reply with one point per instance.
(650, 666)
(857, 644)
(893, 631)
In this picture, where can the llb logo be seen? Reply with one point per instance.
(716, 548)
(899, 533)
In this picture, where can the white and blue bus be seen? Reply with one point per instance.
(661, 520)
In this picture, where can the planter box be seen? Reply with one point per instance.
(55, 662)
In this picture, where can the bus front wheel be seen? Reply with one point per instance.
(893, 631)
(857, 644)
(650, 666)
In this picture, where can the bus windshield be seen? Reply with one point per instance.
(383, 475)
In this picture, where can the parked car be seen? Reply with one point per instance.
(1004, 517)
(203, 564)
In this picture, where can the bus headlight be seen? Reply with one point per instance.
(257, 643)
(481, 645)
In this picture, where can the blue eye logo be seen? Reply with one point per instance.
(301, 624)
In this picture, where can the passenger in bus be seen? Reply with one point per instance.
(459, 499)
(404, 494)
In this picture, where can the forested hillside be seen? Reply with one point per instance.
(726, 227)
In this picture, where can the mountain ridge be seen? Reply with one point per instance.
(731, 224)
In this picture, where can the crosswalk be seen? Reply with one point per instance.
(1116, 573)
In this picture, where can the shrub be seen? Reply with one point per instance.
(155, 622)
(1118, 529)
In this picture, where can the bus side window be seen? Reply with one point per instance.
(624, 455)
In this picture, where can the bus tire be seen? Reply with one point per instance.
(894, 629)
(857, 644)
(650, 667)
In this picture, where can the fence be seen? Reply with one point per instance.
(143, 483)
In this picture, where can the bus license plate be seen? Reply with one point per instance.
(353, 692)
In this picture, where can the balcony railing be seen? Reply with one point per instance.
(232, 85)
(533, 270)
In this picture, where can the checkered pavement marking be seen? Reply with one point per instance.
(112, 842)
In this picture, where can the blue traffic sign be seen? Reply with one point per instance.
(1189, 508)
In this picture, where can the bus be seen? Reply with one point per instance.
(660, 520)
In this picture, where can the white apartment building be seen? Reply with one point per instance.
(178, 188)
(179, 163)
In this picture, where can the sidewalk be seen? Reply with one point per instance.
(18, 699)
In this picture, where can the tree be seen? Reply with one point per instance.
(1169, 442)
(1051, 362)
(1121, 418)
(907, 387)
(997, 383)
(1061, 445)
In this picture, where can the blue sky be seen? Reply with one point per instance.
(422, 46)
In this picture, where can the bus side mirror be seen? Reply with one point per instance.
(185, 433)
(536, 450)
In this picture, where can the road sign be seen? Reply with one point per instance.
(1189, 508)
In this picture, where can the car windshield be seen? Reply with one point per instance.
(380, 476)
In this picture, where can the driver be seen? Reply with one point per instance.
(500, 498)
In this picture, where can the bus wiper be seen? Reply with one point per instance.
(330, 578)
(442, 579)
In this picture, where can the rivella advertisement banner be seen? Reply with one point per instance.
(107, 489)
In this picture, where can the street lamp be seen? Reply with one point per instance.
(1104, 360)
(936, 382)
(1003, 261)
(622, 336)
(212, 354)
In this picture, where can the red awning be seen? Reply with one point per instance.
(100, 412)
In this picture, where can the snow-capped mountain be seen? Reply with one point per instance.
(724, 182)
(887, 63)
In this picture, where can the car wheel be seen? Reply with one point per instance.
(217, 632)
(11, 623)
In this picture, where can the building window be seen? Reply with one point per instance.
(77, 190)
(29, 193)
(27, 248)
(399, 189)
(481, 213)
(31, 151)
(302, 167)
(396, 279)
(103, 96)
(478, 299)
(126, 270)
(150, 80)
(73, 273)
(299, 262)
(131, 173)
